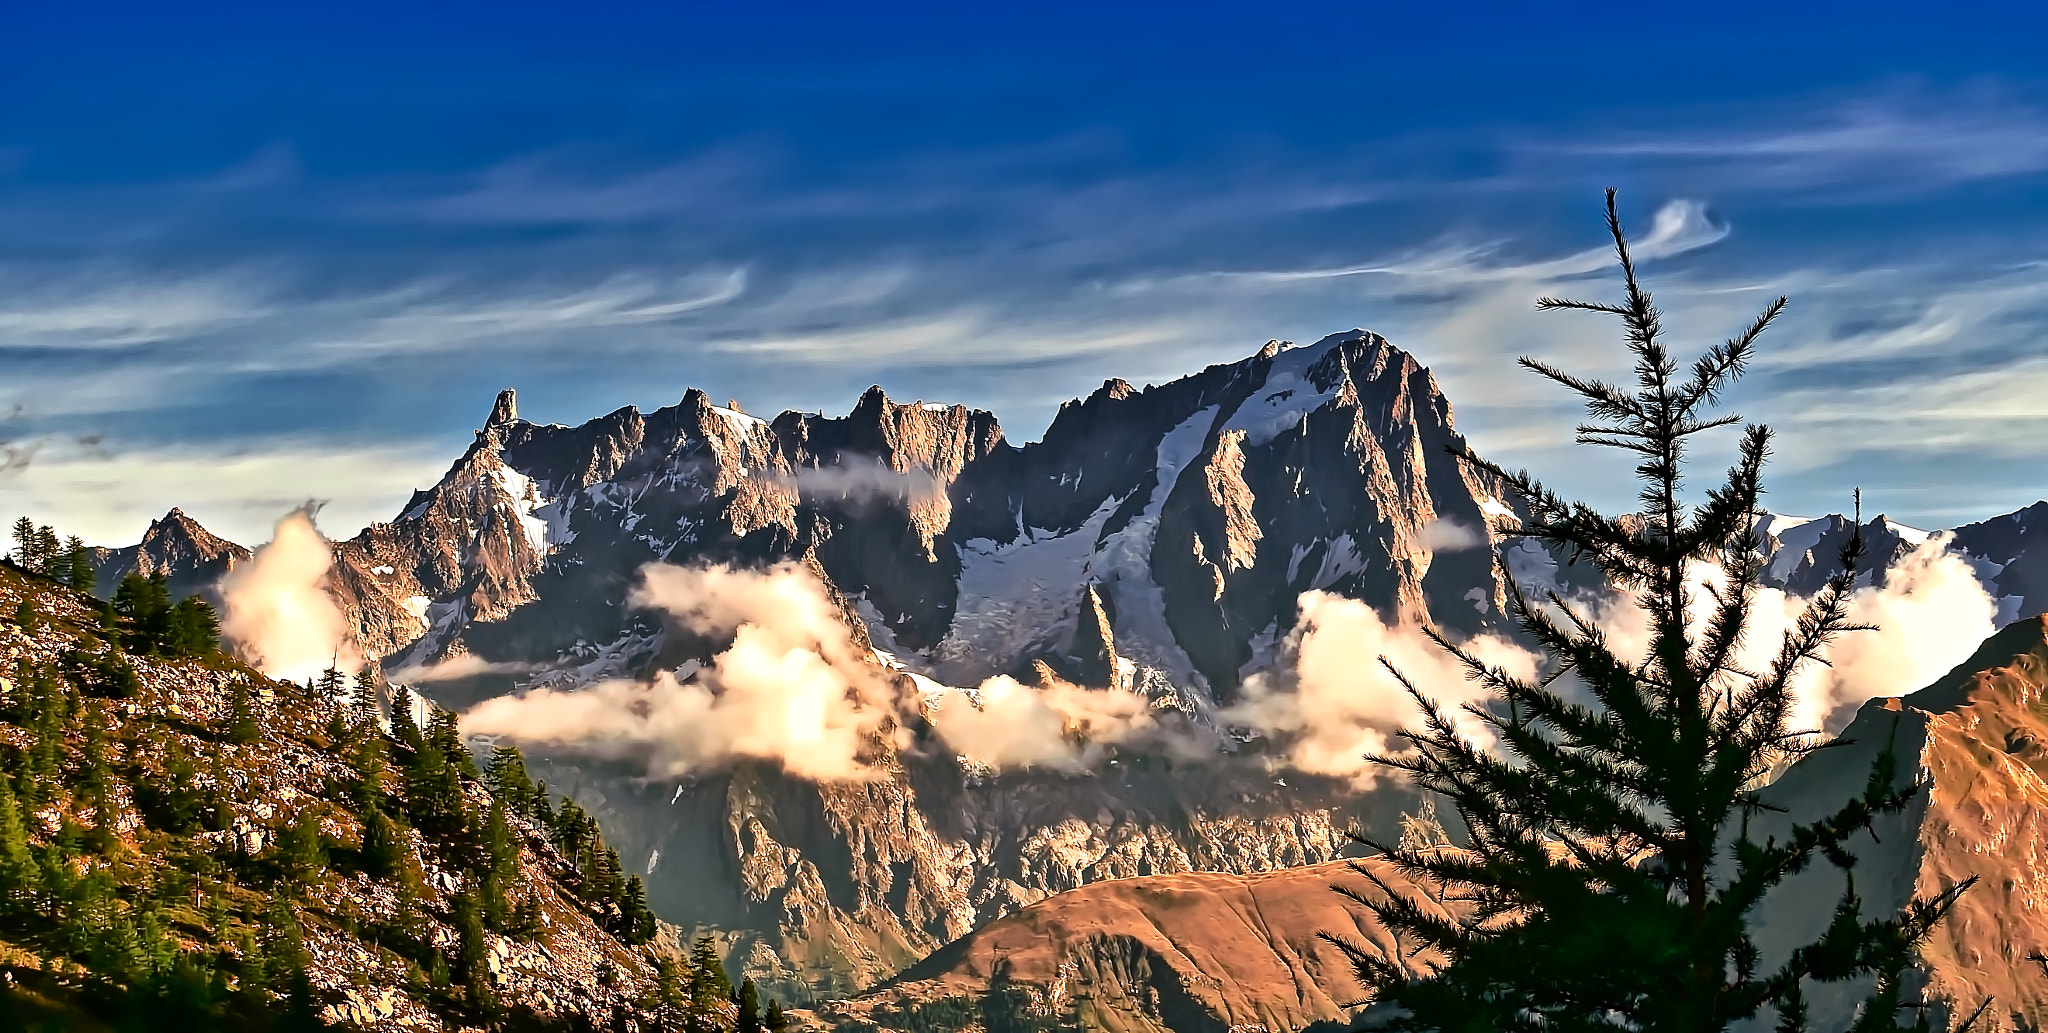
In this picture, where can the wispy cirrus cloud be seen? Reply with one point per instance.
(1841, 151)
(293, 302)
(1677, 227)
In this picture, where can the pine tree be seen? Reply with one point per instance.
(526, 919)
(372, 766)
(610, 874)
(142, 606)
(25, 616)
(51, 711)
(671, 991)
(78, 558)
(364, 700)
(49, 552)
(542, 809)
(192, 628)
(709, 986)
(330, 684)
(1610, 876)
(25, 543)
(776, 1021)
(500, 866)
(505, 773)
(384, 848)
(640, 920)
(286, 968)
(172, 803)
(472, 958)
(403, 727)
(304, 850)
(433, 795)
(445, 733)
(18, 874)
(96, 780)
(750, 1007)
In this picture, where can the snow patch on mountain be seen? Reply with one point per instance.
(1012, 596)
(740, 421)
(1287, 396)
(1123, 564)
(526, 500)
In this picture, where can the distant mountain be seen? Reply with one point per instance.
(2016, 546)
(1157, 538)
(1198, 510)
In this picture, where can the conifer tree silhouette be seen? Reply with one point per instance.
(1610, 880)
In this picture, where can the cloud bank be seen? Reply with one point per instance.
(790, 685)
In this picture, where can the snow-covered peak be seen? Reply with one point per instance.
(1288, 395)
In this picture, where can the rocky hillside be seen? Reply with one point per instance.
(186, 844)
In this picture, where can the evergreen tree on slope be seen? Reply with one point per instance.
(1610, 880)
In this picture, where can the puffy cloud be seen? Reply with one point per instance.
(277, 610)
(791, 686)
(1929, 616)
(1005, 724)
(1338, 703)
(1447, 535)
(763, 700)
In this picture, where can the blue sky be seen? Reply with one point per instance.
(250, 256)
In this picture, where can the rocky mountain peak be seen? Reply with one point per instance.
(191, 558)
(936, 438)
(177, 537)
(505, 410)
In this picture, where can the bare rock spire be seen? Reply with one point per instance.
(506, 410)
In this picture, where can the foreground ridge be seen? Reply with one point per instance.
(187, 844)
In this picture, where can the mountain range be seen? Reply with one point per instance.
(1157, 541)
